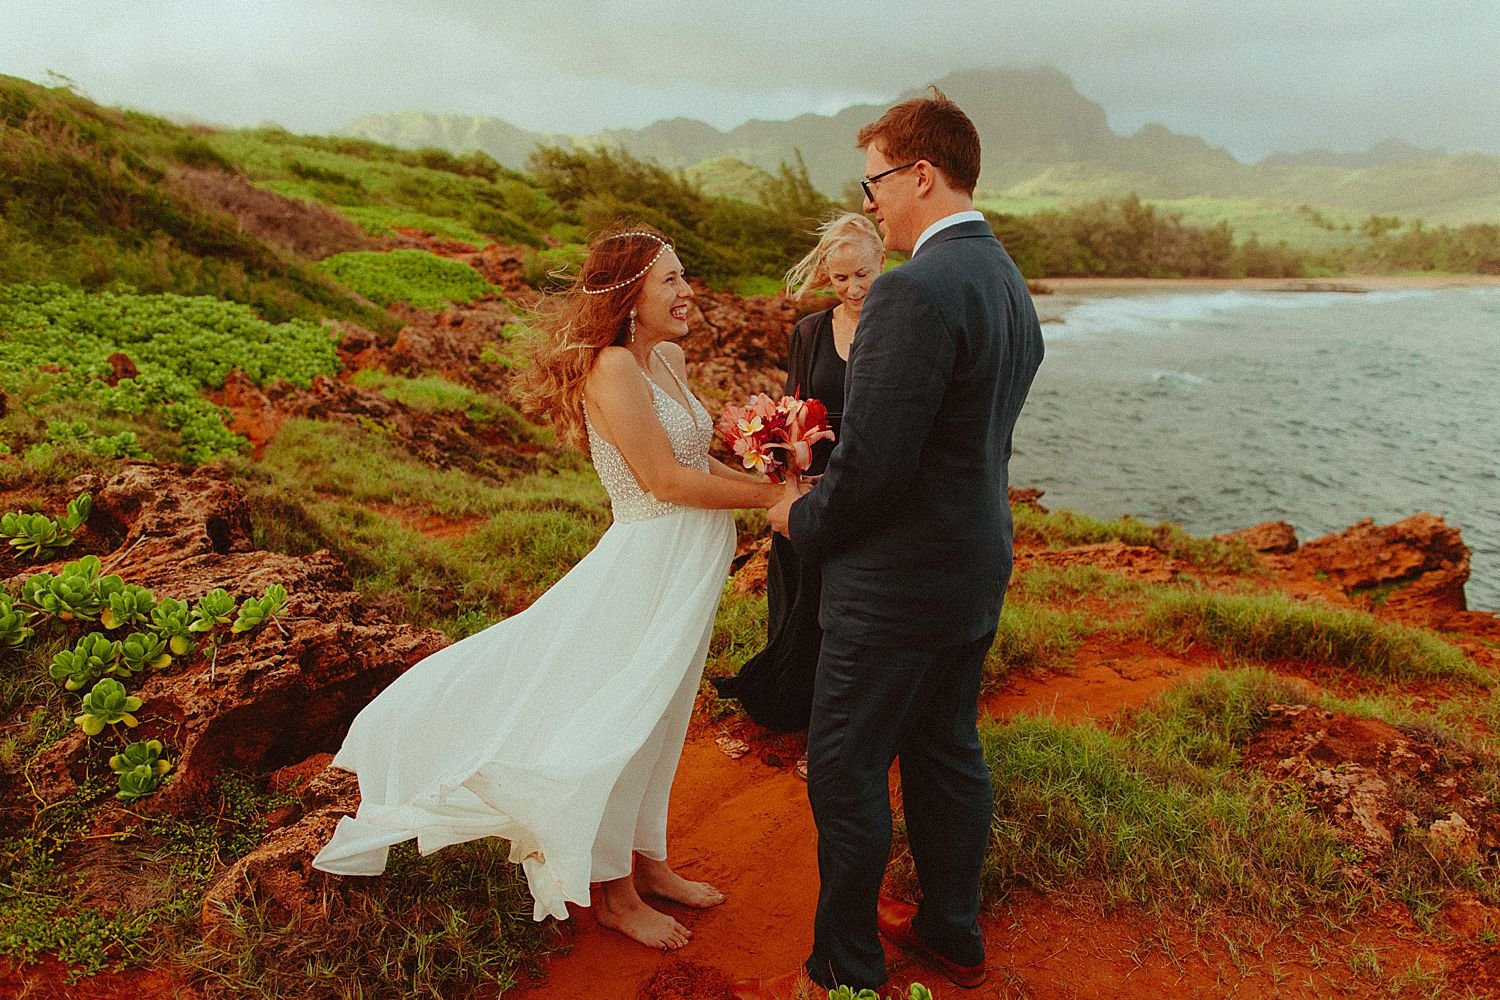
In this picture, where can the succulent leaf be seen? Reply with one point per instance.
(212, 610)
(106, 704)
(133, 605)
(13, 630)
(256, 610)
(142, 753)
(138, 782)
(140, 650)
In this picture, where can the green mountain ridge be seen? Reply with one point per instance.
(1038, 132)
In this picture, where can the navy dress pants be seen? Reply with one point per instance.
(873, 705)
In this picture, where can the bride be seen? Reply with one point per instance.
(559, 729)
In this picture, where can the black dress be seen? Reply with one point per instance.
(776, 685)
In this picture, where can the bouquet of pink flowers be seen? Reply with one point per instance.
(775, 437)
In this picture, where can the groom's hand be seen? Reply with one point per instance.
(780, 515)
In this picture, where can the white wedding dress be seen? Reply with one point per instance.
(558, 729)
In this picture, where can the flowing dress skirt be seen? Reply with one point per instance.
(558, 729)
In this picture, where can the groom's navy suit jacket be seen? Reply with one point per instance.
(911, 521)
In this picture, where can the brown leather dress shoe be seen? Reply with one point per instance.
(795, 985)
(894, 919)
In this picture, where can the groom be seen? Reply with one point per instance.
(912, 528)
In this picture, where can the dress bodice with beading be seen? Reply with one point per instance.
(691, 431)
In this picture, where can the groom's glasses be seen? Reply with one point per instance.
(867, 181)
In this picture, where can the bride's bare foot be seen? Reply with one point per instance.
(656, 878)
(622, 909)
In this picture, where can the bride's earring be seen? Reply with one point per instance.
(630, 337)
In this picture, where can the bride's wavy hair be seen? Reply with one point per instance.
(575, 325)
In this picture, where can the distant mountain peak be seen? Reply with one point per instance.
(1385, 153)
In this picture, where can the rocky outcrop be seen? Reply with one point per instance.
(738, 345)
(1276, 537)
(1377, 784)
(1422, 561)
(269, 698)
(279, 871)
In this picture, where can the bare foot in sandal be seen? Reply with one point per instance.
(656, 878)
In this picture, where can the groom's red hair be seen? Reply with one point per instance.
(932, 129)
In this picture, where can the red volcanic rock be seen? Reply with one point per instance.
(1422, 555)
(506, 267)
(1027, 496)
(750, 577)
(1269, 536)
(1373, 781)
(279, 870)
(460, 342)
(251, 412)
(1139, 562)
(737, 345)
(273, 696)
(443, 440)
(121, 367)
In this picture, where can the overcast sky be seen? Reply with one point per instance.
(1254, 78)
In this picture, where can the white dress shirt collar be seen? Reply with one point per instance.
(944, 223)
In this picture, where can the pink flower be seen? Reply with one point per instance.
(770, 435)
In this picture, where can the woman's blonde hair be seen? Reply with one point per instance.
(576, 325)
(849, 229)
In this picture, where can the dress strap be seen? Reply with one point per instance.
(688, 399)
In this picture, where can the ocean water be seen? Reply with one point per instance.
(1222, 409)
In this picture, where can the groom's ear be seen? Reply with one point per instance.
(930, 179)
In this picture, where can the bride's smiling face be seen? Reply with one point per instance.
(661, 308)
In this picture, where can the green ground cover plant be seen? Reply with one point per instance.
(415, 277)
(180, 346)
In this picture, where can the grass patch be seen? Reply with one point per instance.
(1064, 529)
(353, 490)
(1155, 812)
(469, 197)
(1034, 637)
(87, 200)
(433, 394)
(455, 925)
(382, 220)
(739, 633)
(1078, 808)
(1057, 584)
(1266, 627)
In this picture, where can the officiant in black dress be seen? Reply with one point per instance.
(776, 685)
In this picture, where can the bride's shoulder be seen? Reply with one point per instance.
(674, 354)
(613, 363)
